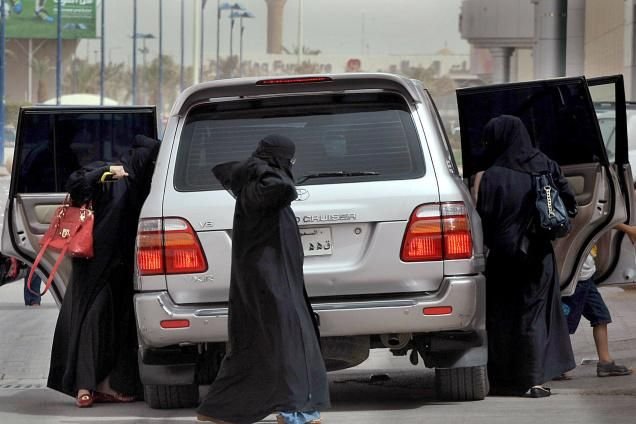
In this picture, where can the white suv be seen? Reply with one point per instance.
(393, 249)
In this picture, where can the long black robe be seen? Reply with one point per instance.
(528, 341)
(274, 362)
(95, 335)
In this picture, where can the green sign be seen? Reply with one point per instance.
(38, 18)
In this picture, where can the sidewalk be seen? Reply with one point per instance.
(622, 344)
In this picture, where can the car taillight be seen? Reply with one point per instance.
(436, 232)
(168, 246)
(293, 80)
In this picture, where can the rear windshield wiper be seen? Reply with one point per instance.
(336, 174)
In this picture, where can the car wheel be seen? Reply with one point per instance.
(159, 396)
(461, 384)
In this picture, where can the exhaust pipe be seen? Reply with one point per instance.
(395, 340)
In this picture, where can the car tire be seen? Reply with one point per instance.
(171, 397)
(344, 352)
(461, 384)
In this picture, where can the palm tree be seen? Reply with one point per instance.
(170, 83)
(82, 78)
(41, 69)
(117, 83)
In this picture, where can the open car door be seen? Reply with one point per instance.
(561, 119)
(616, 259)
(51, 143)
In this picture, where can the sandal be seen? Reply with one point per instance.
(562, 377)
(84, 401)
(538, 392)
(101, 397)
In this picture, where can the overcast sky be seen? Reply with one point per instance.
(402, 27)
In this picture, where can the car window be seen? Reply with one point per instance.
(559, 117)
(54, 144)
(607, 123)
(350, 132)
(604, 98)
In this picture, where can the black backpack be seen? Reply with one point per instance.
(551, 218)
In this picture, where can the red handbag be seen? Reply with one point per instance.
(70, 232)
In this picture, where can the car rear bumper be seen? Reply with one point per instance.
(390, 314)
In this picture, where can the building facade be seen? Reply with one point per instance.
(552, 38)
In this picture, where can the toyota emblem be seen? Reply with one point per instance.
(303, 194)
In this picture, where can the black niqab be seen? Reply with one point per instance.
(508, 145)
(274, 363)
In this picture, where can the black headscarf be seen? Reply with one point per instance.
(508, 145)
(139, 162)
(275, 150)
(278, 151)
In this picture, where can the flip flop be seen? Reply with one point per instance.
(101, 397)
(562, 377)
(538, 392)
(84, 401)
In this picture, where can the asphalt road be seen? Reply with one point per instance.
(384, 389)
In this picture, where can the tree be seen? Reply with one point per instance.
(41, 69)
(150, 80)
(82, 78)
(117, 82)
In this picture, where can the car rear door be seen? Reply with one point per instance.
(51, 143)
(561, 119)
(616, 259)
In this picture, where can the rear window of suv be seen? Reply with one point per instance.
(369, 133)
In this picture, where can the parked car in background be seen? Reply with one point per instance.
(607, 121)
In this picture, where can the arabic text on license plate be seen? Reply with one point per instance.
(316, 241)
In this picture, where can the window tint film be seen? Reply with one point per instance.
(371, 133)
(54, 144)
(558, 115)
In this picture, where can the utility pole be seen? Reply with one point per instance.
(3, 21)
(181, 83)
(134, 54)
(160, 101)
(58, 64)
(218, 38)
(300, 32)
(196, 43)
(101, 65)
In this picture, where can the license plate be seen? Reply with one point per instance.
(316, 241)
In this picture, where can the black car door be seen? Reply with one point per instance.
(616, 259)
(51, 143)
(561, 120)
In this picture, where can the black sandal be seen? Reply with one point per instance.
(538, 392)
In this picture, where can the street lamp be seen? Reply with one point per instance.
(144, 50)
(160, 94)
(220, 7)
(240, 15)
(102, 53)
(134, 55)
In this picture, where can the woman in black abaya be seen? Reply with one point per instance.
(94, 354)
(528, 341)
(274, 363)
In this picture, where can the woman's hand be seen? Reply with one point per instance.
(118, 172)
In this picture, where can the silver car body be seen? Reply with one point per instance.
(363, 287)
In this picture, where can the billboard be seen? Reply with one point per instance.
(38, 18)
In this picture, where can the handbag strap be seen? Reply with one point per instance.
(49, 281)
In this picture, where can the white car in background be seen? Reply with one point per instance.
(607, 123)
